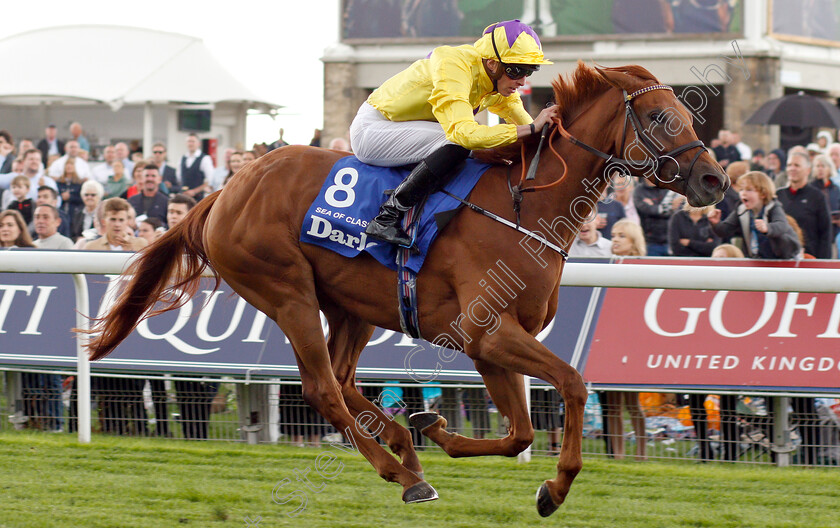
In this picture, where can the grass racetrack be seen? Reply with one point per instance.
(52, 481)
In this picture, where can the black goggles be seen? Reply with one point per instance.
(515, 71)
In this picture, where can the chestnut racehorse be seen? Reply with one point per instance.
(249, 232)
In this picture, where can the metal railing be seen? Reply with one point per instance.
(733, 429)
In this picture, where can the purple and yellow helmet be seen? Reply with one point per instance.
(511, 42)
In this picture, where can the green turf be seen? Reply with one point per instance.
(50, 480)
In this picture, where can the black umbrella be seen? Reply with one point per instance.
(798, 110)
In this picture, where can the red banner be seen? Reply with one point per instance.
(720, 338)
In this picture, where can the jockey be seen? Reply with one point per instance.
(426, 114)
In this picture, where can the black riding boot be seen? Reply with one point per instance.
(431, 173)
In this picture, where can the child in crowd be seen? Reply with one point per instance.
(22, 204)
(759, 219)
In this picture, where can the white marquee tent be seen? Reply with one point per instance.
(120, 83)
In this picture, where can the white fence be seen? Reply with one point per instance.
(575, 274)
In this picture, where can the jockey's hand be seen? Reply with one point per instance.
(546, 116)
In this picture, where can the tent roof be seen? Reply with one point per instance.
(122, 65)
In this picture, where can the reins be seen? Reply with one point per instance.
(529, 172)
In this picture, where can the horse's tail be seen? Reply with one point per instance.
(168, 270)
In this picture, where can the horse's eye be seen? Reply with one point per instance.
(656, 117)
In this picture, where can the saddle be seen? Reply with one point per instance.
(350, 198)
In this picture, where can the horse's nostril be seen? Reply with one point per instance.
(711, 182)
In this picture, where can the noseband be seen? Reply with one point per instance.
(648, 143)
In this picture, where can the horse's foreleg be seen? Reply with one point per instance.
(348, 337)
(512, 348)
(508, 392)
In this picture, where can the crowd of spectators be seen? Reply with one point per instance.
(58, 194)
(782, 205)
(54, 196)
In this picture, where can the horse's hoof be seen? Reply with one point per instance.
(545, 504)
(420, 492)
(423, 420)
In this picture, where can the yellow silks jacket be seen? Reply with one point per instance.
(448, 87)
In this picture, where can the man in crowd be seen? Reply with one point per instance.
(46, 222)
(195, 170)
(655, 206)
(194, 397)
(589, 242)
(744, 150)
(179, 206)
(102, 172)
(46, 227)
(807, 205)
(76, 132)
(150, 201)
(168, 174)
(72, 153)
(726, 152)
(120, 399)
(221, 171)
(122, 152)
(7, 148)
(279, 143)
(48, 196)
(115, 221)
(50, 145)
(32, 170)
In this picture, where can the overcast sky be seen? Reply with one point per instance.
(273, 47)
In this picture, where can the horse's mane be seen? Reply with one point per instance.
(585, 84)
(571, 92)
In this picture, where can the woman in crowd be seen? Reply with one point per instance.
(808, 205)
(236, 162)
(824, 170)
(690, 234)
(824, 141)
(70, 188)
(776, 162)
(13, 231)
(92, 192)
(117, 183)
(136, 174)
(759, 220)
(628, 240)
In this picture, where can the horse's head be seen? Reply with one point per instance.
(657, 139)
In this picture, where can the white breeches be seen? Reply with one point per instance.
(378, 141)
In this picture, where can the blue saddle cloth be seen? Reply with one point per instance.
(351, 196)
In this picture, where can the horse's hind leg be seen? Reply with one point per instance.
(507, 389)
(293, 304)
(348, 337)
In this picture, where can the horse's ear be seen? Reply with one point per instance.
(617, 78)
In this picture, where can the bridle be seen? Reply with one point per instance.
(611, 159)
(631, 116)
(649, 145)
